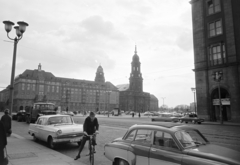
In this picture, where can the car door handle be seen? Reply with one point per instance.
(153, 150)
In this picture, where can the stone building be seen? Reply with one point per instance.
(72, 94)
(132, 97)
(216, 36)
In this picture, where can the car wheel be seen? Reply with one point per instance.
(51, 143)
(199, 122)
(121, 162)
(186, 122)
(19, 118)
(34, 138)
(79, 143)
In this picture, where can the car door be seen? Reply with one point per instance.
(141, 146)
(164, 150)
(37, 128)
(42, 127)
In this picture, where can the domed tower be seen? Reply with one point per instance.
(136, 79)
(100, 75)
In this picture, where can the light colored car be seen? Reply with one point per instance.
(147, 113)
(167, 143)
(167, 117)
(55, 129)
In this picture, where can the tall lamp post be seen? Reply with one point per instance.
(108, 94)
(218, 76)
(19, 32)
(194, 91)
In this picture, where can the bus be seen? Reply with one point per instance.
(39, 109)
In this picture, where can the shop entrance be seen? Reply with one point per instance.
(226, 105)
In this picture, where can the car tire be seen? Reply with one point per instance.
(186, 122)
(51, 143)
(199, 123)
(121, 162)
(34, 138)
(19, 118)
(79, 143)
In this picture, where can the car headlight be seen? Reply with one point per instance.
(59, 132)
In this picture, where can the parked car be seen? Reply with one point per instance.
(191, 118)
(19, 116)
(167, 143)
(147, 113)
(166, 117)
(55, 129)
(40, 109)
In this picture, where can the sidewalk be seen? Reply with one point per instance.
(25, 152)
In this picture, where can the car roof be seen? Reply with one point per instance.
(167, 126)
(48, 116)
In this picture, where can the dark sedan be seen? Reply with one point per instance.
(167, 143)
(191, 118)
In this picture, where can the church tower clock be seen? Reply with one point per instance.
(136, 79)
(100, 75)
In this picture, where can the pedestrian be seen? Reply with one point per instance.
(7, 122)
(3, 142)
(90, 127)
(139, 115)
(132, 114)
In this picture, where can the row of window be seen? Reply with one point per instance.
(216, 52)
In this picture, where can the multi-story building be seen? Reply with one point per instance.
(132, 97)
(67, 94)
(216, 36)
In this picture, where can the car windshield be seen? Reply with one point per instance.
(190, 138)
(60, 120)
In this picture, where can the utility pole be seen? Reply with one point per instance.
(163, 102)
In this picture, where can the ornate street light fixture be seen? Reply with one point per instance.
(195, 108)
(19, 32)
(218, 76)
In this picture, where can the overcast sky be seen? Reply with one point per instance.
(72, 38)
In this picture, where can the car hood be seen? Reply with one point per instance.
(215, 152)
(69, 128)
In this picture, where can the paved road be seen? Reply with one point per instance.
(113, 127)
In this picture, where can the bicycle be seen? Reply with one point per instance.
(91, 148)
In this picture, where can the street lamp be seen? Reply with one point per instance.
(194, 91)
(218, 76)
(19, 32)
(108, 94)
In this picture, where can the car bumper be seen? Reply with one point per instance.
(67, 140)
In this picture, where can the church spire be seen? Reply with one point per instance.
(135, 52)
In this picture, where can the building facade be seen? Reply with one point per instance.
(216, 36)
(67, 94)
(132, 97)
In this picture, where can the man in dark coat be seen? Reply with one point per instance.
(3, 142)
(7, 122)
(90, 127)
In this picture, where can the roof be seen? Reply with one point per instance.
(167, 126)
(123, 87)
(48, 116)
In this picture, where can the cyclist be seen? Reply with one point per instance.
(90, 127)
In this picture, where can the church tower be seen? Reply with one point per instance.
(136, 79)
(100, 75)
